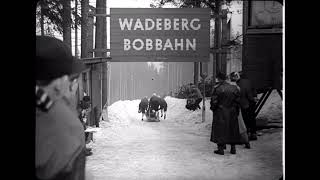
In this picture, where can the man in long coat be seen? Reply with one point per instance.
(225, 107)
(247, 103)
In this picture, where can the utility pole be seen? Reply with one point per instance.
(80, 87)
(109, 91)
(120, 82)
(76, 30)
(225, 37)
(196, 64)
(89, 46)
(84, 27)
(203, 76)
(99, 38)
(217, 36)
(169, 78)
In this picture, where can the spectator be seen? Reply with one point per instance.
(225, 107)
(234, 77)
(60, 141)
(248, 98)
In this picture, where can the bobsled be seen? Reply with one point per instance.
(152, 116)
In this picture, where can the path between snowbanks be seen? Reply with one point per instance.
(175, 148)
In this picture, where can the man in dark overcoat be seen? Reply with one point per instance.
(247, 103)
(225, 107)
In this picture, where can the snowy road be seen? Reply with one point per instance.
(151, 150)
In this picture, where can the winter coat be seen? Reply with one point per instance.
(163, 104)
(59, 143)
(154, 103)
(225, 106)
(143, 105)
(247, 93)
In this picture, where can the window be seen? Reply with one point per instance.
(265, 14)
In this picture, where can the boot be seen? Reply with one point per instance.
(253, 137)
(247, 146)
(233, 149)
(224, 146)
(220, 150)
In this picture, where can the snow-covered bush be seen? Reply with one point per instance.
(184, 91)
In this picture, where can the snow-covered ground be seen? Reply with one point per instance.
(272, 110)
(179, 148)
(124, 112)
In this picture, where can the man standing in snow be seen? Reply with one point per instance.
(225, 107)
(60, 145)
(234, 77)
(247, 103)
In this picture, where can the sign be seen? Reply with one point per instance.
(160, 34)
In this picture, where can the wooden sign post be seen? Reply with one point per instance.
(159, 35)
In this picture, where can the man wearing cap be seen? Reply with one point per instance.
(225, 107)
(60, 140)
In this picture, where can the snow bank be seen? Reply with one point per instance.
(178, 114)
(123, 113)
(272, 109)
